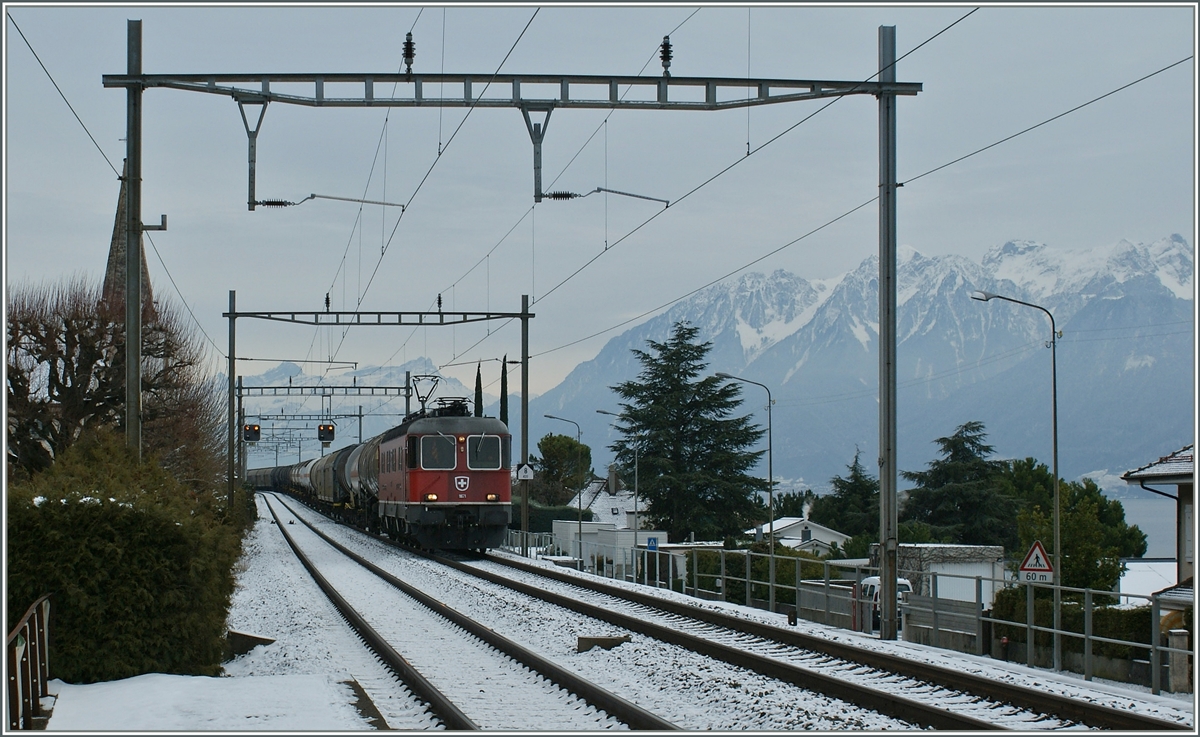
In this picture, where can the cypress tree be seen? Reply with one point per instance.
(504, 390)
(478, 390)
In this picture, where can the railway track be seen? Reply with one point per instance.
(795, 688)
(470, 676)
(1038, 702)
(913, 692)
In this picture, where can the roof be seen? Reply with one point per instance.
(783, 527)
(602, 503)
(1181, 592)
(1176, 468)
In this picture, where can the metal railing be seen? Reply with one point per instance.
(824, 592)
(28, 665)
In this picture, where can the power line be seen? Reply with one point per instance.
(110, 165)
(829, 222)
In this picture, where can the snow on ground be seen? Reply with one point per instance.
(298, 682)
(160, 702)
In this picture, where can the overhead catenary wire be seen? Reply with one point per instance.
(108, 161)
(850, 211)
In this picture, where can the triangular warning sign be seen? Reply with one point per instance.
(1036, 560)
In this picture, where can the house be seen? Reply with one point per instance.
(611, 504)
(1179, 470)
(956, 569)
(801, 533)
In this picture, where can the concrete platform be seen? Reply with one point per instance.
(161, 702)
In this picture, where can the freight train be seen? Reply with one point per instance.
(439, 480)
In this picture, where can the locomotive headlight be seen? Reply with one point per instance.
(493, 497)
(431, 497)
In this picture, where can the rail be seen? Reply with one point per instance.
(960, 618)
(28, 666)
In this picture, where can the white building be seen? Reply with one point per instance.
(801, 533)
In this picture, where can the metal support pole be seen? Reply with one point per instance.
(1087, 635)
(537, 131)
(525, 417)
(360, 424)
(888, 504)
(232, 392)
(133, 243)
(241, 445)
(1029, 614)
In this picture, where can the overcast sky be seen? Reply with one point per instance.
(1122, 168)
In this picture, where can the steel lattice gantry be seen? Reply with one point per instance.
(543, 93)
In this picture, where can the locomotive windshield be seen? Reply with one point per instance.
(437, 453)
(483, 452)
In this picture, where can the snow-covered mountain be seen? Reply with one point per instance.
(1125, 361)
(1125, 369)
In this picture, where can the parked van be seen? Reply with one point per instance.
(869, 590)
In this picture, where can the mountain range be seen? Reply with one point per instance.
(1124, 365)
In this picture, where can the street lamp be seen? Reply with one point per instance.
(635, 477)
(770, 484)
(578, 462)
(1054, 335)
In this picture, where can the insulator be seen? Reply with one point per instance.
(439, 303)
(560, 195)
(327, 301)
(410, 52)
(665, 54)
(274, 203)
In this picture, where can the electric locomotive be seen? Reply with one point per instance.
(440, 479)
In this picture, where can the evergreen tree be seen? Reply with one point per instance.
(479, 390)
(693, 457)
(504, 390)
(853, 507)
(793, 504)
(961, 496)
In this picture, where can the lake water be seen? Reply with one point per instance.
(1156, 518)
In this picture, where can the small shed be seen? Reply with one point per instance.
(1179, 470)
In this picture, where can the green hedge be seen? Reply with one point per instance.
(140, 568)
(708, 566)
(1128, 624)
(541, 518)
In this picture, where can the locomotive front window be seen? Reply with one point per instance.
(437, 453)
(483, 452)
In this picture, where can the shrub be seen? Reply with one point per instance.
(139, 565)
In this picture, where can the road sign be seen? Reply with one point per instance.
(652, 543)
(1036, 566)
(525, 473)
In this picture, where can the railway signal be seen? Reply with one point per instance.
(325, 434)
(251, 433)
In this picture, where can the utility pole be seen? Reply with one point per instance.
(133, 243)
(888, 527)
(524, 422)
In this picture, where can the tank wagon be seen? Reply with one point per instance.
(440, 479)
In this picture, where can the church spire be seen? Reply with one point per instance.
(114, 274)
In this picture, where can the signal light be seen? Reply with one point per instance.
(325, 433)
(251, 433)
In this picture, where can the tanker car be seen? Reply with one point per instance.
(439, 480)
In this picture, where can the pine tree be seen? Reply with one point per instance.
(853, 507)
(962, 497)
(692, 457)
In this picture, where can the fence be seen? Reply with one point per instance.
(28, 666)
(823, 592)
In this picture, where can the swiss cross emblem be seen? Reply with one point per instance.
(462, 482)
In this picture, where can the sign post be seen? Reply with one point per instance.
(1036, 568)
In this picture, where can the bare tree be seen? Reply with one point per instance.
(65, 356)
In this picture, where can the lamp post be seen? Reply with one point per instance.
(1054, 335)
(578, 461)
(770, 485)
(636, 527)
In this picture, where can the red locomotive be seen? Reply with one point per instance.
(441, 479)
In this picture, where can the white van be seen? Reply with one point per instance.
(868, 590)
